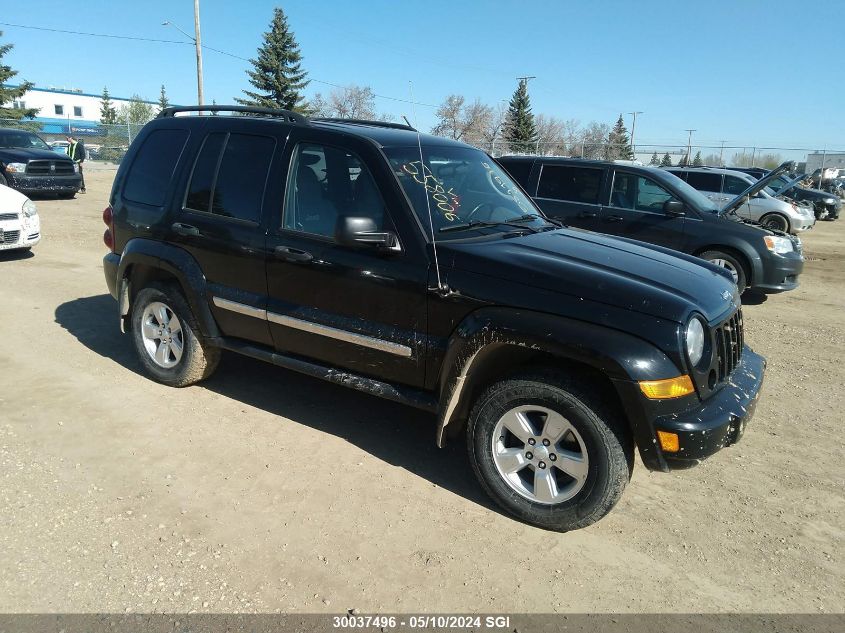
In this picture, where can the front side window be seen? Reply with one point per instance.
(569, 183)
(460, 185)
(151, 171)
(235, 189)
(735, 186)
(325, 183)
(702, 181)
(638, 194)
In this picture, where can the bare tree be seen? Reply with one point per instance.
(494, 126)
(594, 140)
(712, 160)
(458, 120)
(348, 102)
(550, 131)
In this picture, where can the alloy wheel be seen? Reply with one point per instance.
(162, 334)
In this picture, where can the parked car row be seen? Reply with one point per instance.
(654, 205)
(414, 268)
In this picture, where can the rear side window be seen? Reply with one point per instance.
(520, 170)
(151, 171)
(236, 188)
(735, 186)
(704, 182)
(573, 184)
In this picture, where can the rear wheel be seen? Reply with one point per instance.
(167, 339)
(775, 221)
(729, 262)
(548, 451)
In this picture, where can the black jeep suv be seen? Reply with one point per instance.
(413, 268)
(29, 165)
(652, 205)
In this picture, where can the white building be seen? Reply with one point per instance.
(832, 160)
(66, 111)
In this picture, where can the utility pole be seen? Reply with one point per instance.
(689, 143)
(527, 79)
(197, 40)
(633, 131)
(721, 151)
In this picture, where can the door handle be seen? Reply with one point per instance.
(614, 218)
(292, 254)
(585, 215)
(185, 229)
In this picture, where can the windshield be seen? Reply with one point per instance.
(462, 186)
(21, 140)
(689, 193)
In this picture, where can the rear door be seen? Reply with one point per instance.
(635, 210)
(572, 193)
(362, 308)
(220, 221)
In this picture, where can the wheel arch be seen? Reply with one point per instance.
(749, 260)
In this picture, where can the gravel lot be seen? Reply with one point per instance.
(263, 490)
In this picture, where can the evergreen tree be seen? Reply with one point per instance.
(619, 143)
(108, 113)
(520, 131)
(8, 94)
(655, 161)
(277, 73)
(666, 161)
(696, 162)
(163, 101)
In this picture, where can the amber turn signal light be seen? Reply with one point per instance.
(669, 441)
(668, 388)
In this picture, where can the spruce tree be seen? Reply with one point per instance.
(619, 143)
(163, 101)
(277, 73)
(8, 94)
(108, 113)
(696, 162)
(520, 131)
(655, 161)
(666, 161)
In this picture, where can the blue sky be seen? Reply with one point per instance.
(765, 73)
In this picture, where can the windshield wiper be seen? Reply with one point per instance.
(478, 224)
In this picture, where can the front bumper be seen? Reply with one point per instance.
(44, 184)
(22, 232)
(720, 420)
(780, 273)
(799, 224)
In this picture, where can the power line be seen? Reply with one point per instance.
(211, 48)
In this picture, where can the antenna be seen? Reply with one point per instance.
(440, 286)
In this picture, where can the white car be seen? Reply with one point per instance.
(20, 226)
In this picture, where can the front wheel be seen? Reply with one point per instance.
(547, 451)
(167, 339)
(775, 221)
(730, 263)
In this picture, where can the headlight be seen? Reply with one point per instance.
(695, 340)
(76, 168)
(16, 168)
(778, 244)
(29, 209)
(830, 201)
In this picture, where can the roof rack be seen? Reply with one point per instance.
(388, 124)
(287, 115)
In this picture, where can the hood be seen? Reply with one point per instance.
(758, 186)
(614, 271)
(21, 155)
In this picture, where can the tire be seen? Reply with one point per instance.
(775, 221)
(591, 432)
(197, 360)
(67, 196)
(732, 263)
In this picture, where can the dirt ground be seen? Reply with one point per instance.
(263, 490)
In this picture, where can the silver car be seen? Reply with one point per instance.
(723, 185)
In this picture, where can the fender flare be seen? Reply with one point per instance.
(619, 356)
(743, 248)
(179, 264)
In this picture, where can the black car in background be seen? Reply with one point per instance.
(652, 205)
(826, 206)
(412, 267)
(29, 165)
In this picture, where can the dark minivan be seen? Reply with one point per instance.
(652, 205)
(413, 268)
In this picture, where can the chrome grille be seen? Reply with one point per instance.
(730, 339)
(8, 216)
(10, 237)
(49, 167)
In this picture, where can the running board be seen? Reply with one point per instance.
(397, 393)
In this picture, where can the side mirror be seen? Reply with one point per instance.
(360, 232)
(674, 208)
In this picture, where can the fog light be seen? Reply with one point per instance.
(668, 388)
(669, 441)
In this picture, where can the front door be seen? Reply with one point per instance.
(362, 309)
(635, 210)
